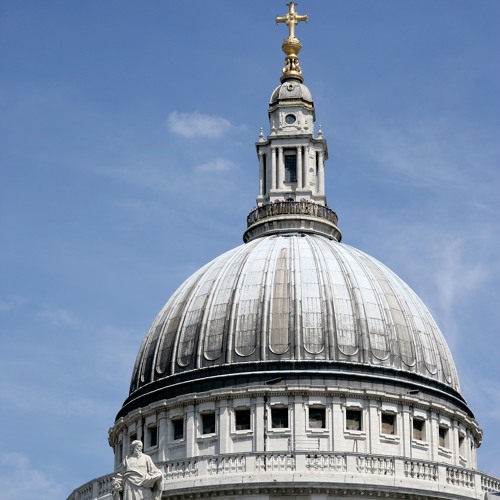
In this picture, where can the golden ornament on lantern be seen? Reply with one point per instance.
(291, 46)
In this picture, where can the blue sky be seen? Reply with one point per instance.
(127, 161)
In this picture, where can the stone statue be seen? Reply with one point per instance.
(138, 478)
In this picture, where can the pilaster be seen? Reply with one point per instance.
(406, 431)
(162, 436)
(261, 174)
(190, 431)
(281, 169)
(273, 168)
(224, 427)
(373, 432)
(299, 167)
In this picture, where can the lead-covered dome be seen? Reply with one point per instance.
(295, 297)
(291, 89)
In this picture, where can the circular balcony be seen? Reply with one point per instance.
(292, 216)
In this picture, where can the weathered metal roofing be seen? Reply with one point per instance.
(294, 297)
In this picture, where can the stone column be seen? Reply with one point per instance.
(299, 167)
(454, 441)
(258, 425)
(224, 428)
(406, 431)
(273, 168)
(337, 425)
(299, 420)
(321, 173)
(262, 173)
(191, 431)
(433, 435)
(305, 183)
(162, 436)
(281, 169)
(373, 431)
(138, 428)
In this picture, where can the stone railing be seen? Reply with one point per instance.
(490, 484)
(98, 488)
(291, 208)
(330, 469)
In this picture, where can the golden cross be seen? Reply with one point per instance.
(291, 19)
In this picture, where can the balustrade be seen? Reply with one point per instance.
(291, 208)
(421, 470)
(460, 477)
(489, 484)
(368, 464)
(334, 463)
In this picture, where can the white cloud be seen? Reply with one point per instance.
(59, 316)
(217, 165)
(197, 124)
(433, 153)
(11, 303)
(19, 480)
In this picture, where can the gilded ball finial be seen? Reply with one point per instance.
(291, 46)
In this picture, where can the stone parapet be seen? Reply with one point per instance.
(339, 474)
(292, 216)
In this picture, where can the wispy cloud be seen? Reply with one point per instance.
(433, 153)
(20, 480)
(197, 124)
(11, 303)
(216, 165)
(58, 316)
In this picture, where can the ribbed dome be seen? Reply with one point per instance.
(291, 89)
(294, 297)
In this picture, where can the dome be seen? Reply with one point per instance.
(293, 298)
(291, 89)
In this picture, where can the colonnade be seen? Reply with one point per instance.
(272, 173)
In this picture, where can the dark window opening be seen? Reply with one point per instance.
(133, 437)
(317, 418)
(290, 168)
(418, 429)
(242, 420)
(208, 423)
(178, 428)
(279, 418)
(461, 444)
(388, 423)
(152, 436)
(443, 434)
(353, 420)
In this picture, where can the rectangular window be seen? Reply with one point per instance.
(388, 423)
(152, 433)
(133, 437)
(290, 168)
(418, 429)
(353, 420)
(242, 420)
(279, 418)
(178, 428)
(208, 423)
(461, 445)
(443, 436)
(317, 418)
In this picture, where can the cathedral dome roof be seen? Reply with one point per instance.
(291, 89)
(294, 298)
